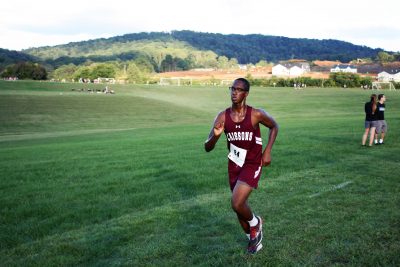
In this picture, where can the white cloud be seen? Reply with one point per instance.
(12, 40)
(43, 22)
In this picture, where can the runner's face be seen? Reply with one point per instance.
(238, 92)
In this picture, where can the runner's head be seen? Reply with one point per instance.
(239, 90)
(246, 84)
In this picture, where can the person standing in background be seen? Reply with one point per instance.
(381, 125)
(370, 120)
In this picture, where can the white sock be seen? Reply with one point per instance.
(376, 141)
(380, 141)
(253, 221)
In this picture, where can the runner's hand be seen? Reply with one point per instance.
(266, 159)
(218, 128)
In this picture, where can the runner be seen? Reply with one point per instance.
(240, 123)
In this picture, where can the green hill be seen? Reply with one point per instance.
(8, 57)
(245, 48)
(103, 50)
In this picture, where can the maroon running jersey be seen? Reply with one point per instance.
(243, 140)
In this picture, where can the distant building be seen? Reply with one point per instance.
(280, 70)
(291, 69)
(344, 68)
(390, 76)
(296, 71)
(242, 66)
(385, 77)
(396, 77)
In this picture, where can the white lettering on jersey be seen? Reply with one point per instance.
(240, 136)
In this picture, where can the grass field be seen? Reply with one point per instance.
(123, 180)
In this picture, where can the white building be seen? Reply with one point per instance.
(396, 77)
(344, 68)
(242, 66)
(290, 69)
(385, 77)
(296, 71)
(280, 70)
(389, 77)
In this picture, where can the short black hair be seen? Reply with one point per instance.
(245, 82)
(380, 96)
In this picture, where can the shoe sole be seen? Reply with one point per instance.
(259, 247)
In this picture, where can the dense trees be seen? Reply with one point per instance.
(135, 71)
(65, 72)
(385, 57)
(182, 44)
(103, 70)
(134, 74)
(174, 63)
(255, 47)
(344, 80)
(25, 70)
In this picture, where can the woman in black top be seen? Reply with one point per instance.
(370, 120)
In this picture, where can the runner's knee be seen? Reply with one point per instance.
(236, 204)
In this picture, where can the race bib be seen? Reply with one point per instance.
(237, 155)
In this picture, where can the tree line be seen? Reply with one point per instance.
(249, 48)
(25, 70)
(337, 79)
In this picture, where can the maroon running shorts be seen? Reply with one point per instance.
(248, 173)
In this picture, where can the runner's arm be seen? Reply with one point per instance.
(216, 131)
(265, 119)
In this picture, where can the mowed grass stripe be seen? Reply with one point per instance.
(55, 114)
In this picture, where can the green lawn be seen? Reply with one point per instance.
(111, 180)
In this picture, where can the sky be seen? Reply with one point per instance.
(34, 23)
